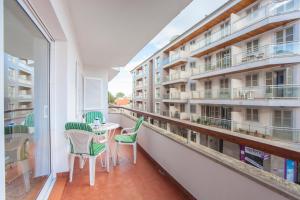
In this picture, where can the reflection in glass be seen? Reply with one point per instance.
(26, 94)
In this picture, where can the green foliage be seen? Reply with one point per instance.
(120, 95)
(111, 98)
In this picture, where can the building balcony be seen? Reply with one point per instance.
(176, 77)
(139, 98)
(170, 153)
(176, 59)
(264, 19)
(267, 92)
(139, 86)
(176, 97)
(165, 113)
(272, 95)
(139, 76)
(251, 128)
(268, 55)
(179, 115)
(212, 94)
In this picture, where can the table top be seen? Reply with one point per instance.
(105, 127)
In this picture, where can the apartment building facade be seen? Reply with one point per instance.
(238, 69)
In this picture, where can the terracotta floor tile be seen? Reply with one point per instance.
(125, 181)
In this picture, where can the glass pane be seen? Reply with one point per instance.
(279, 37)
(26, 95)
(289, 34)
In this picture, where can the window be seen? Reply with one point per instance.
(182, 48)
(252, 115)
(285, 35)
(252, 12)
(182, 108)
(192, 64)
(207, 85)
(157, 61)
(207, 61)
(224, 83)
(225, 29)
(252, 80)
(207, 37)
(224, 59)
(192, 42)
(182, 67)
(157, 108)
(224, 88)
(157, 78)
(193, 86)
(284, 7)
(283, 118)
(26, 104)
(182, 88)
(193, 108)
(157, 93)
(252, 46)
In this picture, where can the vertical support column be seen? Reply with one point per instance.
(168, 127)
(189, 136)
(198, 138)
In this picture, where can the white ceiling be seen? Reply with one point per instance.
(111, 32)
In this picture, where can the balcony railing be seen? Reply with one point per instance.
(139, 86)
(255, 129)
(139, 96)
(176, 76)
(222, 93)
(248, 93)
(177, 96)
(271, 9)
(179, 115)
(220, 128)
(152, 138)
(139, 75)
(267, 92)
(175, 57)
(263, 52)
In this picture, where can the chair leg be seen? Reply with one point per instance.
(71, 163)
(134, 153)
(107, 157)
(92, 163)
(116, 153)
(81, 162)
(102, 162)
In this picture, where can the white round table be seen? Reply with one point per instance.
(110, 128)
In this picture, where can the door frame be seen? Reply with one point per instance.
(28, 9)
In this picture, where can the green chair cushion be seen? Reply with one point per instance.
(16, 129)
(91, 116)
(29, 120)
(125, 138)
(78, 126)
(96, 148)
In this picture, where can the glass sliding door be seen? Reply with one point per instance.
(26, 104)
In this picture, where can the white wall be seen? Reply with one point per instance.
(203, 177)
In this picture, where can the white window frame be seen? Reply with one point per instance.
(48, 185)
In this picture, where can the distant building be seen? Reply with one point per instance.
(122, 101)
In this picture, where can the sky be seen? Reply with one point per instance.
(189, 16)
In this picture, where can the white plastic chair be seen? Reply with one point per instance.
(86, 144)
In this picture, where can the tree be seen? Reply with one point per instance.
(120, 95)
(111, 98)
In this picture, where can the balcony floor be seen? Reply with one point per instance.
(125, 181)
